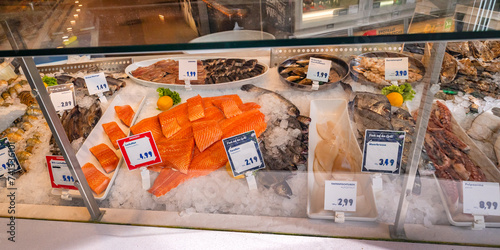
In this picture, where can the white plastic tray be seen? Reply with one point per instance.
(98, 136)
(226, 85)
(336, 110)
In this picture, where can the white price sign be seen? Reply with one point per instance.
(319, 69)
(139, 150)
(481, 198)
(63, 100)
(353, 9)
(396, 68)
(188, 70)
(340, 195)
(96, 83)
(61, 173)
(243, 153)
(382, 151)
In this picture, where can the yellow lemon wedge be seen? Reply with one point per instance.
(395, 98)
(164, 103)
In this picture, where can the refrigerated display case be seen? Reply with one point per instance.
(353, 154)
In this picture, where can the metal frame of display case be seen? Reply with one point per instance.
(49, 112)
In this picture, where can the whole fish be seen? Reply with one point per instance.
(291, 108)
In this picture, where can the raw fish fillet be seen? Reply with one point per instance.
(212, 113)
(125, 113)
(180, 112)
(169, 124)
(206, 133)
(106, 157)
(177, 152)
(96, 180)
(248, 106)
(148, 124)
(114, 132)
(250, 120)
(184, 133)
(195, 108)
(207, 101)
(202, 164)
(228, 106)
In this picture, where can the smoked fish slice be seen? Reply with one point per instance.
(114, 132)
(228, 106)
(248, 106)
(195, 108)
(177, 152)
(125, 113)
(169, 124)
(96, 180)
(106, 157)
(206, 133)
(148, 124)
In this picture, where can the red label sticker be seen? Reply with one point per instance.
(60, 176)
(139, 150)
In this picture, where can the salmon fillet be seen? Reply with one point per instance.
(212, 113)
(206, 133)
(209, 100)
(114, 132)
(169, 124)
(125, 113)
(177, 152)
(249, 120)
(106, 157)
(148, 124)
(228, 106)
(96, 180)
(195, 108)
(248, 106)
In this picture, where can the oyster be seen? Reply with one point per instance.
(449, 68)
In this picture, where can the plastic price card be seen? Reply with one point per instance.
(139, 150)
(340, 195)
(319, 69)
(96, 83)
(382, 151)
(62, 96)
(243, 152)
(8, 159)
(60, 176)
(396, 68)
(481, 198)
(188, 70)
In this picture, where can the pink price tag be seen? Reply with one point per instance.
(139, 150)
(60, 176)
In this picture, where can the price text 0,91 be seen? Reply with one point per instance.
(488, 205)
(345, 202)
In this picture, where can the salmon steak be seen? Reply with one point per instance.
(114, 132)
(96, 180)
(177, 152)
(206, 133)
(106, 157)
(149, 124)
(125, 113)
(195, 108)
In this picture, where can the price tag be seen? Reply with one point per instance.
(353, 9)
(382, 151)
(481, 198)
(60, 176)
(62, 96)
(188, 70)
(243, 152)
(340, 195)
(396, 68)
(319, 69)
(96, 83)
(8, 159)
(139, 150)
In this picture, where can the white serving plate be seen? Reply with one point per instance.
(336, 110)
(226, 85)
(98, 136)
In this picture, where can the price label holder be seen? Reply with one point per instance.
(60, 176)
(8, 159)
(340, 196)
(188, 70)
(382, 151)
(244, 155)
(139, 150)
(97, 84)
(318, 71)
(396, 68)
(480, 199)
(62, 96)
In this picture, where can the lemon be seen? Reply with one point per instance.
(230, 172)
(164, 103)
(395, 98)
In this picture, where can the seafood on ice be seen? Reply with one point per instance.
(373, 69)
(296, 71)
(485, 130)
(284, 144)
(210, 71)
(189, 136)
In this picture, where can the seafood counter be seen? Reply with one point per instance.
(188, 128)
